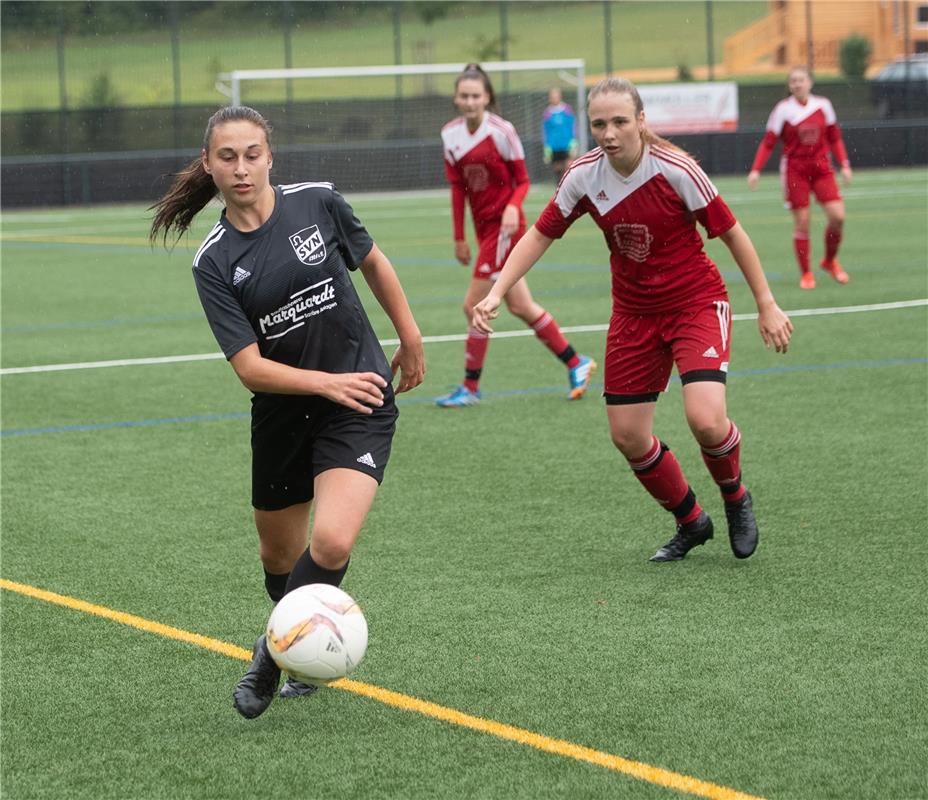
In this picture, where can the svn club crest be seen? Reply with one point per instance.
(308, 245)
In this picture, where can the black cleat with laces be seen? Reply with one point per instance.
(293, 687)
(742, 527)
(257, 688)
(688, 536)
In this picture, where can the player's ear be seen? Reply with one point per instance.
(204, 161)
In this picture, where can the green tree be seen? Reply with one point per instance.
(854, 56)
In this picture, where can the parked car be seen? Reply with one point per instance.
(894, 95)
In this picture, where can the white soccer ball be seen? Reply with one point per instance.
(317, 633)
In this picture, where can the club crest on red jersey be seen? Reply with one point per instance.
(633, 240)
(308, 245)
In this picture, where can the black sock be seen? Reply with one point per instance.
(307, 571)
(276, 585)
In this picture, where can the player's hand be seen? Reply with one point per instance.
(509, 224)
(775, 327)
(409, 359)
(462, 252)
(360, 391)
(483, 312)
(753, 178)
(846, 175)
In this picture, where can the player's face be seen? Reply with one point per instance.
(617, 128)
(471, 99)
(239, 160)
(800, 84)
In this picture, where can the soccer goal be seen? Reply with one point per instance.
(377, 128)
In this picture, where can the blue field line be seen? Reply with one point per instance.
(417, 400)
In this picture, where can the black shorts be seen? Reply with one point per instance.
(560, 155)
(296, 437)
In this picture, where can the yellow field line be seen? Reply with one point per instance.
(559, 747)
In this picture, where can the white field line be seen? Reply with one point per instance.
(450, 337)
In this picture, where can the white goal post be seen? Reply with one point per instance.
(569, 70)
(377, 128)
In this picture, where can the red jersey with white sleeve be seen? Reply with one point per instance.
(808, 131)
(649, 223)
(487, 167)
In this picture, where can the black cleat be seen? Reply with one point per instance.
(688, 536)
(254, 692)
(742, 527)
(296, 688)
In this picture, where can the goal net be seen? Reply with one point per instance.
(377, 128)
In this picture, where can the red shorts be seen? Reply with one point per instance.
(494, 249)
(799, 177)
(641, 350)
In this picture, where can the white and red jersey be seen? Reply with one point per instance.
(808, 131)
(487, 167)
(649, 222)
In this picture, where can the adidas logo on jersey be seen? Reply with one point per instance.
(368, 460)
(240, 275)
(710, 353)
(602, 196)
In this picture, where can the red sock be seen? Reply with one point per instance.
(547, 330)
(801, 246)
(832, 242)
(475, 351)
(660, 474)
(724, 463)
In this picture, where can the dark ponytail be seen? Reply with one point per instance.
(193, 186)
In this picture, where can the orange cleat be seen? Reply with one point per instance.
(807, 281)
(833, 268)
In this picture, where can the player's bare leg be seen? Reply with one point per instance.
(802, 247)
(834, 213)
(720, 441)
(282, 535)
(580, 368)
(343, 500)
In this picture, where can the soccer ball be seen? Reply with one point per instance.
(317, 633)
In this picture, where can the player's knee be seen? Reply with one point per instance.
(629, 442)
(278, 558)
(708, 427)
(330, 551)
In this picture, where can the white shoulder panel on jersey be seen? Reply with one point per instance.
(505, 137)
(580, 176)
(290, 188)
(685, 176)
(827, 108)
(211, 238)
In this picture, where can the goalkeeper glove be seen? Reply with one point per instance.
(547, 155)
(572, 148)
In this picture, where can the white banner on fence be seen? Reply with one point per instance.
(690, 107)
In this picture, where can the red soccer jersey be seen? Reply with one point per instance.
(487, 167)
(808, 130)
(649, 222)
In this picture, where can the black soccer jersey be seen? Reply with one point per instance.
(286, 285)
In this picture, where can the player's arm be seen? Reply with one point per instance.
(523, 257)
(512, 213)
(836, 145)
(458, 201)
(775, 327)
(764, 151)
(361, 391)
(383, 281)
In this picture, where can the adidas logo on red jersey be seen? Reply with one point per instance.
(602, 196)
